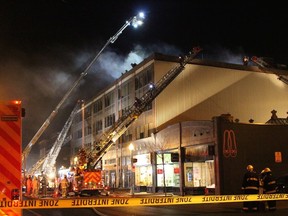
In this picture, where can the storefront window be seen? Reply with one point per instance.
(167, 158)
(199, 174)
(168, 171)
(188, 175)
(143, 176)
(176, 177)
(171, 169)
(210, 174)
(199, 167)
(143, 170)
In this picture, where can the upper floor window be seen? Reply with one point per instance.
(98, 106)
(98, 126)
(144, 78)
(109, 120)
(109, 99)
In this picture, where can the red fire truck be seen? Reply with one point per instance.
(10, 153)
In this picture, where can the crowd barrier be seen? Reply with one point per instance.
(135, 201)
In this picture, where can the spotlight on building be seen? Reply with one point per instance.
(245, 60)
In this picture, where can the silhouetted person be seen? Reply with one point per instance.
(44, 184)
(269, 187)
(250, 185)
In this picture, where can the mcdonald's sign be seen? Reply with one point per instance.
(229, 144)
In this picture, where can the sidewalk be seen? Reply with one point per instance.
(118, 192)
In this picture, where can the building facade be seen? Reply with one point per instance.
(176, 141)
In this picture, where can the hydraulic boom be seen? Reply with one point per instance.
(135, 21)
(50, 160)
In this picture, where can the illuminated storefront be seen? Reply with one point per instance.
(143, 170)
(199, 168)
(169, 170)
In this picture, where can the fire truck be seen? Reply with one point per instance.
(89, 182)
(11, 114)
(90, 158)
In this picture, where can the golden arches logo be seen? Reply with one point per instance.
(229, 144)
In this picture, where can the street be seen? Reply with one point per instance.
(178, 210)
(197, 209)
(227, 208)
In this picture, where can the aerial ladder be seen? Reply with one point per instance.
(266, 67)
(109, 137)
(48, 166)
(47, 163)
(134, 21)
(36, 166)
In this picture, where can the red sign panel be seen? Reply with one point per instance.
(278, 157)
(176, 170)
(10, 153)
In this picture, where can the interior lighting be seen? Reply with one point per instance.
(131, 147)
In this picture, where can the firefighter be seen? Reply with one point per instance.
(250, 185)
(64, 185)
(137, 102)
(77, 179)
(29, 185)
(262, 204)
(35, 186)
(44, 184)
(269, 187)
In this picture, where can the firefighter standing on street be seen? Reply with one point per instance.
(29, 185)
(262, 204)
(64, 185)
(44, 184)
(35, 186)
(269, 187)
(250, 185)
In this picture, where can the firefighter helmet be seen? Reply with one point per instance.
(267, 170)
(250, 168)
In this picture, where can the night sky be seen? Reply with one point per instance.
(46, 44)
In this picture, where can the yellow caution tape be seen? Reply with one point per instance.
(139, 201)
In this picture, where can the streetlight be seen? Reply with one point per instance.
(131, 148)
